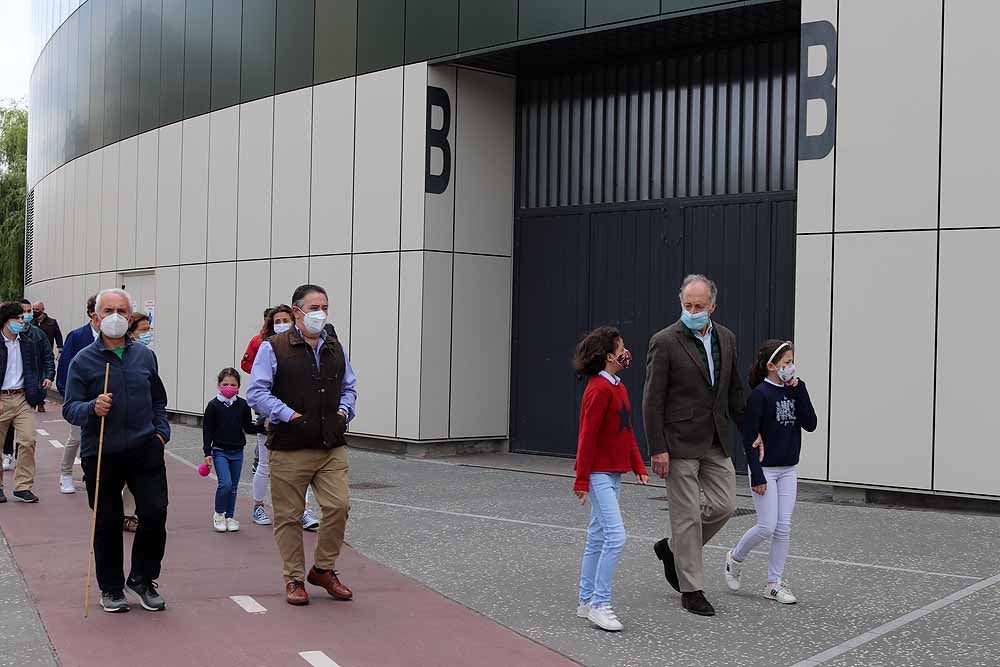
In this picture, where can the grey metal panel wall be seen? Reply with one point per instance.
(706, 123)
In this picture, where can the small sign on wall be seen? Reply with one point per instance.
(150, 309)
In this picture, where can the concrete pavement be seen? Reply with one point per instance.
(877, 586)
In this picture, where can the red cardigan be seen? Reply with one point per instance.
(607, 442)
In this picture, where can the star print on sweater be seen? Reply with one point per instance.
(606, 442)
(625, 415)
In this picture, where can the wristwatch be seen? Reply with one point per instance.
(343, 412)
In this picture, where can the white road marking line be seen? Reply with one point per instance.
(56, 443)
(179, 459)
(53, 421)
(829, 561)
(248, 603)
(891, 626)
(40, 431)
(318, 659)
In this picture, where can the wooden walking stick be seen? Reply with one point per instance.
(97, 495)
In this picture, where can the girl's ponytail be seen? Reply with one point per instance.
(766, 351)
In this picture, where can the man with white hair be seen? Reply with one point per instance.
(693, 390)
(134, 410)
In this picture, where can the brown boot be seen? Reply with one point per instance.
(296, 594)
(331, 583)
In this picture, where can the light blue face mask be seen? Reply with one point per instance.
(694, 322)
(145, 338)
(15, 327)
(27, 317)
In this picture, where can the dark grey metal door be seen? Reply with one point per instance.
(580, 267)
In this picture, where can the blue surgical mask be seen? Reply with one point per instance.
(694, 322)
(27, 317)
(15, 327)
(145, 338)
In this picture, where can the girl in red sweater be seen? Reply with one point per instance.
(606, 448)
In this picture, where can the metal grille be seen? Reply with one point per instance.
(29, 236)
(708, 122)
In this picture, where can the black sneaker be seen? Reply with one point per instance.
(696, 603)
(3, 498)
(114, 602)
(25, 496)
(663, 552)
(148, 596)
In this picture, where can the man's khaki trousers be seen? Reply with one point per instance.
(17, 414)
(291, 472)
(692, 524)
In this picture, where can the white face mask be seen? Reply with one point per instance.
(787, 374)
(315, 321)
(282, 328)
(114, 326)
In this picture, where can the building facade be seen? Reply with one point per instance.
(477, 182)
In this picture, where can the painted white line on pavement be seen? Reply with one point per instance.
(318, 659)
(53, 421)
(829, 561)
(248, 603)
(56, 443)
(891, 626)
(40, 431)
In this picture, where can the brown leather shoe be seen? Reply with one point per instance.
(296, 594)
(331, 583)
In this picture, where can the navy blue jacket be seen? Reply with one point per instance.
(778, 415)
(75, 341)
(31, 361)
(138, 399)
(44, 359)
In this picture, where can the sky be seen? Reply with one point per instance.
(15, 48)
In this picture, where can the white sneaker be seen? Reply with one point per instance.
(219, 521)
(232, 525)
(583, 610)
(603, 616)
(66, 484)
(734, 569)
(309, 522)
(780, 592)
(8, 461)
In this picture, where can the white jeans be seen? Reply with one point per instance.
(774, 519)
(263, 473)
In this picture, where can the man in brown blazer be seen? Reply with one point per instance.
(693, 390)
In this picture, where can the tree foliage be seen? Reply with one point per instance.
(13, 193)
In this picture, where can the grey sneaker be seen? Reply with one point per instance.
(148, 596)
(114, 602)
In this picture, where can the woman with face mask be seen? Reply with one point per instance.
(140, 332)
(277, 320)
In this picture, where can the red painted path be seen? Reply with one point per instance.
(393, 620)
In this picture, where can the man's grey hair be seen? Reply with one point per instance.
(699, 278)
(119, 292)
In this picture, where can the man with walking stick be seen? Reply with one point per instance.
(115, 395)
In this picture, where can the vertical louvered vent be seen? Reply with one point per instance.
(29, 236)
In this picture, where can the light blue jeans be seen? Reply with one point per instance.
(605, 538)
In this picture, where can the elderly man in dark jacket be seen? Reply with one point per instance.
(23, 388)
(693, 390)
(134, 409)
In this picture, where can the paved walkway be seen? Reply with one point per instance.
(393, 621)
(469, 564)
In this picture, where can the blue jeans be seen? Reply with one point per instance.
(228, 466)
(605, 538)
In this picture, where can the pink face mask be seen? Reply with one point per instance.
(229, 392)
